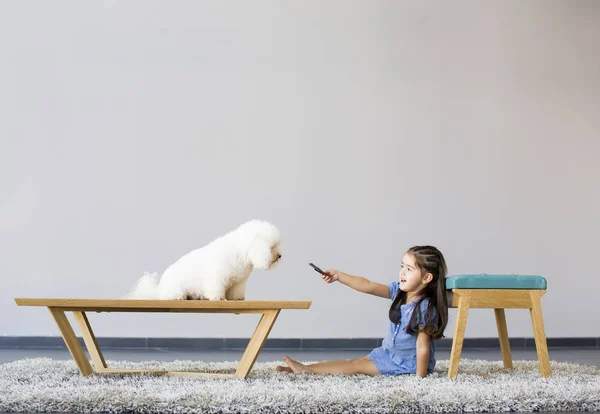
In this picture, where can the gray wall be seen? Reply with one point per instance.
(134, 132)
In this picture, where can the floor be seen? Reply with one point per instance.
(587, 356)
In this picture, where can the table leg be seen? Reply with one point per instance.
(71, 341)
(256, 342)
(90, 340)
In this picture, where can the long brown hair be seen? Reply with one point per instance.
(428, 259)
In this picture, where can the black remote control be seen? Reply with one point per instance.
(318, 269)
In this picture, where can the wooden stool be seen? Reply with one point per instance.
(498, 292)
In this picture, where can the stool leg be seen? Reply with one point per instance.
(540, 335)
(459, 334)
(503, 336)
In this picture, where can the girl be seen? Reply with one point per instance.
(418, 315)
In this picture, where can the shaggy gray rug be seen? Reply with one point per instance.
(43, 384)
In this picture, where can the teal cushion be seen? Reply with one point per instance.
(485, 281)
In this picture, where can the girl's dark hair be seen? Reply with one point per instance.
(428, 260)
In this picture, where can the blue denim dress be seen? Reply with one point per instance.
(398, 352)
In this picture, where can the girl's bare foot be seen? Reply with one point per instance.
(295, 365)
(283, 369)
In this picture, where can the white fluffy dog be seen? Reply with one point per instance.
(217, 271)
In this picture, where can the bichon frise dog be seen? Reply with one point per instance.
(217, 271)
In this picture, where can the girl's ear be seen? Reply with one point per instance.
(427, 278)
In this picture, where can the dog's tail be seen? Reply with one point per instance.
(145, 288)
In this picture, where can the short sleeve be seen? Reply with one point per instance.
(394, 287)
(422, 318)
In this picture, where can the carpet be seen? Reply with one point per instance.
(44, 384)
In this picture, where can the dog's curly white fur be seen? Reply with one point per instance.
(217, 271)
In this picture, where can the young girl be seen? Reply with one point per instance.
(418, 315)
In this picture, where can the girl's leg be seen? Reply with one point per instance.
(325, 364)
(347, 366)
(318, 365)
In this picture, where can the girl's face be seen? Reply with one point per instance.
(411, 279)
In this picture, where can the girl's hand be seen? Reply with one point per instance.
(331, 275)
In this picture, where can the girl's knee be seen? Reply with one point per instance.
(364, 366)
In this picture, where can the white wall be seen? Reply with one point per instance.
(133, 132)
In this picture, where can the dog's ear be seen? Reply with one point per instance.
(260, 254)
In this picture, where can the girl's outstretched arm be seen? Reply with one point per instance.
(359, 283)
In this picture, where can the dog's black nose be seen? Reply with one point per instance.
(279, 257)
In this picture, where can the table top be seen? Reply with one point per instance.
(147, 305)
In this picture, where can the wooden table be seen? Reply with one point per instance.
(57, 307)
